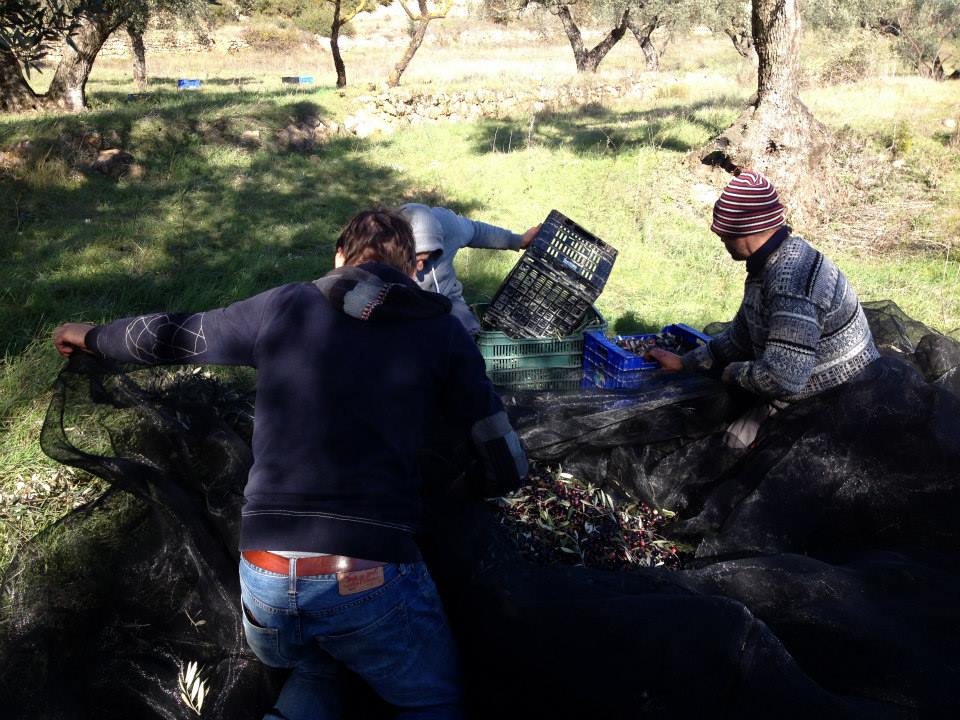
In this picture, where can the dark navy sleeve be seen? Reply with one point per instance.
(469, 397)
(224, 336)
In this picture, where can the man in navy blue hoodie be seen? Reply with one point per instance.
(351, 369)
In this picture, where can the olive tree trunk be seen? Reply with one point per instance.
(642, 33)
(335, 46)
(589, 60)
(68, 88)
(139, 58)
(776, 134)
(421, 31)
(16, 95)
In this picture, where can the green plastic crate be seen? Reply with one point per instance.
(535, 363)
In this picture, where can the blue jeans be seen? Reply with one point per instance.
(395, 637)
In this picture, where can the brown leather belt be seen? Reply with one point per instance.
(315, 565)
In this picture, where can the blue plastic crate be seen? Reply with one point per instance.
(607, 365)
(297, 80)
(188, 84)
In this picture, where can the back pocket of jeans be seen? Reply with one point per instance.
(264, 641)
(378, 648)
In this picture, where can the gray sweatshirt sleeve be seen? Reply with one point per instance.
(224, 336)
(472, 233)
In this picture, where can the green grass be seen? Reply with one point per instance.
(212, 220)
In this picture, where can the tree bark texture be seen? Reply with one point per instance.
(16, 95)
(139, 58)
(937, 73)
(777, 135)
(337, 58)
(68, 88)
(589, 60)
(335, 46)
(422, 22)
(642, 33)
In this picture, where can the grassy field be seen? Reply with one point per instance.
(212, 219)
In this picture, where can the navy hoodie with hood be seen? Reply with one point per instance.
(351, 369)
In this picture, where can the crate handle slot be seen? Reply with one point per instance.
(571, 224)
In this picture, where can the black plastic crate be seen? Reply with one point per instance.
(537, 302)
(574, 250)
(553, 285)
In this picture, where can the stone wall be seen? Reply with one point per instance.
(389, 109)
(159, 41)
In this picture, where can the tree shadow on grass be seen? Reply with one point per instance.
(948, 139)
(481, 284)
(629, 323)
(595, 129)
(210, 221)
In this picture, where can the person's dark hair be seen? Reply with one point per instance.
(378, 236)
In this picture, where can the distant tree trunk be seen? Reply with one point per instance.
(139, 57)
(742, 42)
(335, 46)
(394, 78)
(16, 95)
(938, 73)
(589, 60)
(642, 33)
(68, 88)
(650, 54)
(777, 135)
(741, 35)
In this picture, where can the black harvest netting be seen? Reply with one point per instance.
(821, 577)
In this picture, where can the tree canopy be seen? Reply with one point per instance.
(29, 27)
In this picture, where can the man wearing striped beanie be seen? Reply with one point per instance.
(800, 329)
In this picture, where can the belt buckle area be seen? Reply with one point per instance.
(311, 565)
(342, 563)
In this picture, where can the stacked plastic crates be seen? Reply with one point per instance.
(534, 327)
(609, 366)
(536, 363)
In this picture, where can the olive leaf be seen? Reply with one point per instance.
(193, 689)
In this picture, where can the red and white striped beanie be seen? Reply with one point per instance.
(748, 204)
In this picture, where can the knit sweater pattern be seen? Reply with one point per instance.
(800, 329)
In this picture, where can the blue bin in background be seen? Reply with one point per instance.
(188, 84)
(297, 80)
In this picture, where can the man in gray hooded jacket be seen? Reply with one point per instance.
(439, 233)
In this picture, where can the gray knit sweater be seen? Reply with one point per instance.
(799, 331)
